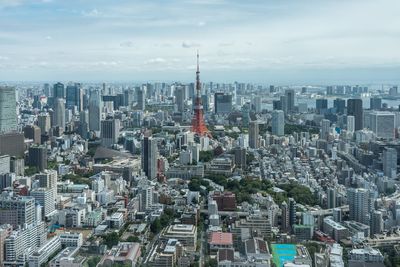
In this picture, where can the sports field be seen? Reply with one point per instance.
(282, 253)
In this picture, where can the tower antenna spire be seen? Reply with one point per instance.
(198, 124)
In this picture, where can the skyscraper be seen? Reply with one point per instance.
(375, 103)
(340, 105)
(350, 124)
(8, 109)
(253, 135)
(358, 200)
(289, 94)
(321, 105)
(376, 222)
(355, 108)
(45, 197)
(74, 96)
(149, 157)
(17, 211)
(325, 129)
(140, 98)
(382, 124)
(331, 197)
(84, 123)
(48, 179)
(58, 90)
(180, 98)
(94, 111)
(285, 217)
(222, 103)
(389, 160)
(292, 212)
(44, 123)
(59, 113)
(109, 132)
(38, 157)
(278, 123)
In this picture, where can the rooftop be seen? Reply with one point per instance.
(220, 238)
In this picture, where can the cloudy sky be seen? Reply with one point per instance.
(262, 41)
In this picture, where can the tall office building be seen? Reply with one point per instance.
(290, 95)
(325, 129)
(253, 135)
(355, 108)
(44, 123)
(94, 111)
(382, 124)
(140, 98)
(351, 124)
(376, 226)
(109, 132)
(146, 198)
(149, 157)
(74, 97)
(33, 132)
(58, 90)
(222, 103)
(375, 103)
(285, 225)
(48, 179)
(358, 200)
(340, 105)
(45, 198)
(331, 198)
(180, 98)
(321, 106)
(17, 211)
(389, 160)
(38, 157)
(278, 123)
(240, 157)
(8, 109)
(292, 212)
(84, 123)
(59, 113)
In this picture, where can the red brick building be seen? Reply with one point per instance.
(226, 201)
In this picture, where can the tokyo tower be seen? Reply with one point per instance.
(198, 125)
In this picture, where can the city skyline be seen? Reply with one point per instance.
(282, 43)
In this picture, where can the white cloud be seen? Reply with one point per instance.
(92, 13)
(155, 60)
(127, 44)
(188, 44)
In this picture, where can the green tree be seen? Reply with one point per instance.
(111, 239)
(156, 226)
(133, 238)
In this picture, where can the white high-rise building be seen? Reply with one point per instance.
(350, 124)
(44, 196)
(278, 123)
(389, 160)
(44, 122)
(358, 199)
(325, 129)
(382, 124)
(23, 242)
(48, 179)
(8, 109)
(59, 113)
(146, 198)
